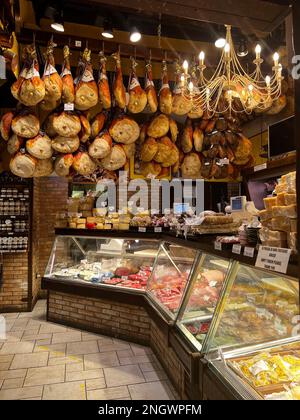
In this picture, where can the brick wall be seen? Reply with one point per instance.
(14, 290)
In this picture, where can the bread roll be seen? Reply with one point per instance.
(115, 160)
(159, 126)
(63, 164)
(26, 125)
(83, 164)
(124, 130)
(149, 150)
(101, 146)
(5, 125)
(85, 132)
(39, 147)
(65, 144)
(66, 124)
(191, 166)
(23, 165)
(97, 125)
(14, 144)
(43, 168)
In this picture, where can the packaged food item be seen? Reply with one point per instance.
(270, 202)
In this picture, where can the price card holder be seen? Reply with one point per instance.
(69, 107)
(157, 229)
(273, 259)
(249, 252)
(142, 229)
(236, 249)
(218, 246)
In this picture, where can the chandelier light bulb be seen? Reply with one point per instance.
(182, 79)
(191, 86)
(276, 58)
(250, 87)
(268, 81)
(185, 66)
(201, 57)
(227, 48)
(220, 43)
(258, 51)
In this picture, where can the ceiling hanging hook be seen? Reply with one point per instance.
(159, 31)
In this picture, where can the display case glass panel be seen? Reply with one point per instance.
(201, 298)
(125, 263)
(170, 276)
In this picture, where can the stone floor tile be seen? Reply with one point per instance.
(82, 347)
(104, 347)
(4, 365)
(86, 336)
(65, 391)
(100, 360)
(6, 358)
(17, 348)
(45, 375)
(108, 393)
(84, 374)
(155, 375)
(74, 367)
(48, 327)
(140, 350)
(45, 342)
(55, 350)
(98, 383)
(66, 337)
(149, 366)
(13, 383)
(21, 393)
(29, 360)
(1, 382)
(66, 360)
(150, 391)
(13, 337)
(135, 359)
(125, 353)
(11, 315)
(12, 374)
(34, 337)
(123, 375)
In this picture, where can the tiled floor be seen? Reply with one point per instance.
(41, 360)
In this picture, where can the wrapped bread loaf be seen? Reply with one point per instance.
(97, 124)
(115, 160)
(66, 124)
(23, 165)
(191, 166)
(119, 91)
(65, 144)
(124, 130)
(159, 126)
(25, 125)
(39, 147)
(63, 165)
(150, 169)
(103, 85)
(53, 82)
(129, 150)
(84, 164)
(149, 150)
(68, 88)
(14, 144)
(29, 89)
(85, 132)
(137, 96)
(150, 89)
(101, 146)
(5, 125)
(165, 94)
(187, 137)
(43, 168)
(86, 90)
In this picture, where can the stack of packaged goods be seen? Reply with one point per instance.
(279, 219)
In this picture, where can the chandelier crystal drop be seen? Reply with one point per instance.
(231, 89)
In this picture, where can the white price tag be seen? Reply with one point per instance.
(273, 259)
(236, 249)
(78, 44)
(69, 107)
(249, 252)
(142, 229)
(140, 209)
(157, 229)
(261, 167)
(218, 246)
(167, 211)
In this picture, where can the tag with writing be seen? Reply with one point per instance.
(218, 246)
(249, 252)
(69, 107)
(273, 259)
(236, 249)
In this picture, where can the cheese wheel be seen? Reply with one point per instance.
(270, 202)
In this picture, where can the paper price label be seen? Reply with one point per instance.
(218, 246)
(78, 44)
(158, 230)
(249, 252)
(142, 229)
(236, 249)
(273, 259)
(68, 107)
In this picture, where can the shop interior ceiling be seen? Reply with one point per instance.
(186, 26)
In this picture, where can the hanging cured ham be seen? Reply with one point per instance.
(63, 164)
(86, 90)
(23, 165)
(68, 89)
(165, 94)
(187, 137)
(150, 89)
(52, 80)
(180, 105)
(5, 125)
(29, 89)
(137, 96)
(118, 86)
(103, 85)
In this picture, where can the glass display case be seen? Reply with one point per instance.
(124, 263)
(253, 343)
(172, 271)
(201, 298)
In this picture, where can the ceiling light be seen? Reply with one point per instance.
(107, 29)
(242, 49)
(135, 34)
(58, 24)
(220, 43)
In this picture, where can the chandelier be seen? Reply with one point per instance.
(231, 89)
